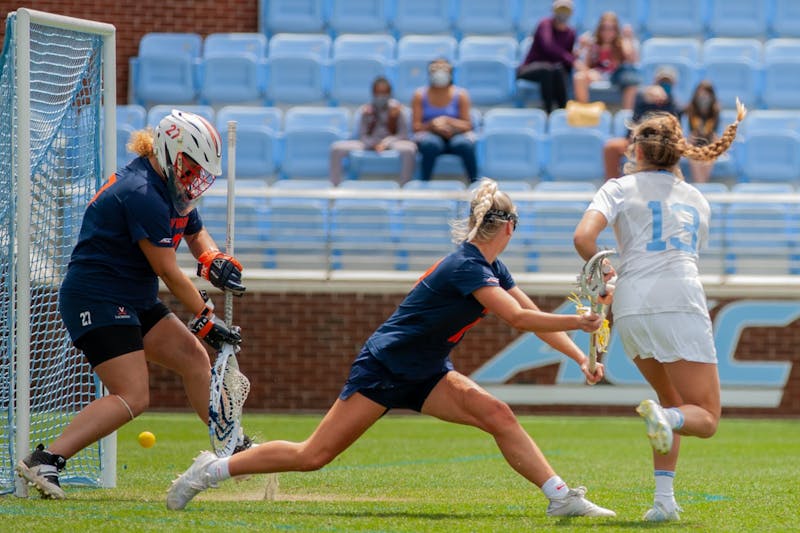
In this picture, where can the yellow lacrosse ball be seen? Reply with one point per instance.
(146, 439)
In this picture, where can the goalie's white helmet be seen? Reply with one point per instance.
(189, 150)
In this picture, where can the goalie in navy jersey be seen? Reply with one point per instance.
(406, 364)
(109, 301)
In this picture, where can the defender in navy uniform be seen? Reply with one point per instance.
(406, 364)
(109, 297)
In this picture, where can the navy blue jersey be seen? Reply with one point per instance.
(107, 261)
(417, 339)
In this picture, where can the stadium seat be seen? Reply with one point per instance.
(445, 185)
(414, 52)
(619, 127)
(558, 123)
(668, 48)
(297, 191)
(576, 154)
(369, 162)
(352, 77)
(293, 16)
(132, 115)
(676, 18)
(271, 117)
(771, 121)
(472, 17)
(720, 48)
(258, 139)
(628, 11)
(157, 112)
(166, 68)
(375, 45)
(297, 236)
(734, 78)
(781, 84)
(711, 261)
(489, 81)
(298, 68)
(512, 118)
(770, 156)
(249, 222)
(489, 46)
(782, 48)
(737, 18)
(362, 235)
(510, 154)
(337, 118)
(233, 68)
(124, 132)
(422, 17)
(358, 16)
(760, 237)
(785, 19)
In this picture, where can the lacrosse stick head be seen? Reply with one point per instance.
(592, 278)
(229, 390)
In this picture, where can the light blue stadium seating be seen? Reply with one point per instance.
(233, 68)
(782, 48)
(489, 46)
(760, 238)
(359, 16)
(738, 18)
(298, 68)
(369, 45)
(712, 256)
(296, 191)
(770, 156)
(362, 235)
(620, 126)
(258, 139)
(770, 121)
(352, 77)
(447, 185)
(134, 115)
(293, 16)
(270, 117)
(629, 12)
(781, 83)
(157, 112)
(689, 75)
(422, 17)
(734, 78)
(337, 118)
(370, 162)
(306, 151)
(670, 47)
(124, 132)
(316, 45)
(428, 47)
(297, 235)
(676, 18)
(472, 17)
(721, 48)
(785, 19)
(512, 118)
(166, 68)
(576, 154)
(510, 154)
(249, 220)
(488, 81)
(558, 123)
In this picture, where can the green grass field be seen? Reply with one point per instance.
(413, 473)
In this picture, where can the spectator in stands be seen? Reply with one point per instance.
(550, 58)
(660, 309)
(702, 114)
(442, 121)
(652, 98)
(383, 126)
(608, 55)
(406, 364)
(109, 300)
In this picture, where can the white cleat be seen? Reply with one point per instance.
(660, 513)
(191, 483)
(658, 429)
(574, 504)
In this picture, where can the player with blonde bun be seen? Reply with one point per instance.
(660, 310)
(406, 363)
(109, 300)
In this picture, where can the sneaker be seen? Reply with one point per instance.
(40, 469)
(191, 483)
(574, 504)
(660, 513)
(658, 429)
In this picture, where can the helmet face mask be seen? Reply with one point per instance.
(188, 149)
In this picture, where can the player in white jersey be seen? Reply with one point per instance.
(659, 307)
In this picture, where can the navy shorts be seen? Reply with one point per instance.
(374, 380)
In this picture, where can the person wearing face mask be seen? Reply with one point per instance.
(550, 58)
(703, 118)
(441, 121)
(651, 99)
(383, 126)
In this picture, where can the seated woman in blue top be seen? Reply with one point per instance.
(441, 121)
(406, 364)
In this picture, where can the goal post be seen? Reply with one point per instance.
(57, 144)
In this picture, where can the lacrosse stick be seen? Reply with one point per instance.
(229, 387)
(593, 286)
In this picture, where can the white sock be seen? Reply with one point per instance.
(674, 416)
(555, 488)
(664, 492)
(218, 470)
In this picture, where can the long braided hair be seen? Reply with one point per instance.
(489, 209)
(662, 143)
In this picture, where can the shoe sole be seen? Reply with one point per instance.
(660, 435)
(46, 489)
